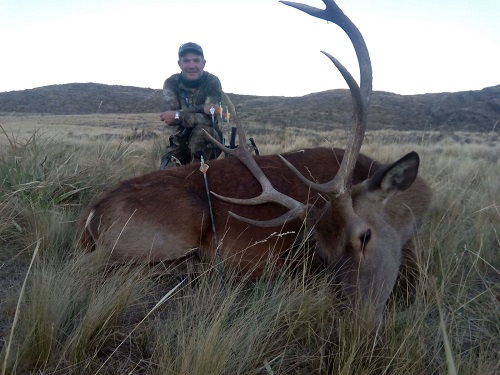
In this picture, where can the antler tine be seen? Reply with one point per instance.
(242, 136)
(339, 183)
(269, 193)
(333, 13)
(332, 10)
(360, 94)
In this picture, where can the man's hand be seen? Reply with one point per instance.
(168, 117)
(206, 109)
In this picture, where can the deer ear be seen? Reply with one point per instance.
(395, 177)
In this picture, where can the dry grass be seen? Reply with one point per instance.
(75, 317)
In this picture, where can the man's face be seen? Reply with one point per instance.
(192, 66)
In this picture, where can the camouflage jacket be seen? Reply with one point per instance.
(189, 101)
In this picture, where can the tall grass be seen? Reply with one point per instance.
(75, 316)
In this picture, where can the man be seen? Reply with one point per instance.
(191, 103)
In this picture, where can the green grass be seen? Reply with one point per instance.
(74, 316)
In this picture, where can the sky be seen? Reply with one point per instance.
(255, 47)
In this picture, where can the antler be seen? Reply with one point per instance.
(361, 98)
(360, 94)
(334, 14)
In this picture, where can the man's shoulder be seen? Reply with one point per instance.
(212, 77)
(172, 81)
(212, 82)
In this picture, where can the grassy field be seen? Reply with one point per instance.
(62, 314)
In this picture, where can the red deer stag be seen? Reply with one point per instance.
(360, 220)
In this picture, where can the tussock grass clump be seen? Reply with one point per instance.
(244, 330)
(71, 313)
(76, 316)
(43, 182)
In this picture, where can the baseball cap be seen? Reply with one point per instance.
(190, 47)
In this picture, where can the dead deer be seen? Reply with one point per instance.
(361, 213)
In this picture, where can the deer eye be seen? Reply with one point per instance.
(365, 239)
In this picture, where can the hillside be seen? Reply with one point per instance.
(467, 110)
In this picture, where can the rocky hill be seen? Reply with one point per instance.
(467, 110)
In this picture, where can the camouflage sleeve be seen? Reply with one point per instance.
(170, 101)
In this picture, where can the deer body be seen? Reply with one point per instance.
(164, 216)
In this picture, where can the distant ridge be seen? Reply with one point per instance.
(81, 98)
(466, 110)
